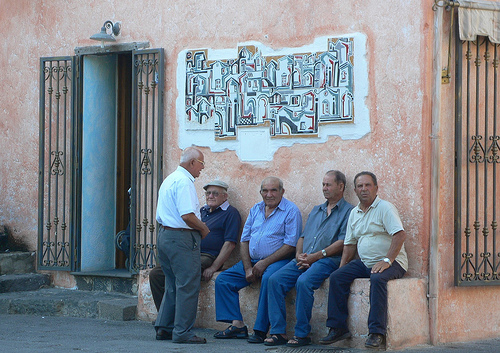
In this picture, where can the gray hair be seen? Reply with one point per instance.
(272, 178)
(189, 154)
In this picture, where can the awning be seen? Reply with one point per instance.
(479, 18)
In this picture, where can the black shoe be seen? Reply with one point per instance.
(257, 337)
(335, 335)
(162, 335)
(375, 340)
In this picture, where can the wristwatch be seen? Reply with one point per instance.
(386, 259)
(323, 252)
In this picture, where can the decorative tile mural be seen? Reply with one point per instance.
(253, 99)
(291, 94)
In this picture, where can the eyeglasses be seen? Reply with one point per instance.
(215, 193)
(202, 163)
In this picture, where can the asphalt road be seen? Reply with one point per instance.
(31, 333)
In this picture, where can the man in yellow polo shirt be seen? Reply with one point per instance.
(375, 230)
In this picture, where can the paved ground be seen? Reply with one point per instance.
(31, 333)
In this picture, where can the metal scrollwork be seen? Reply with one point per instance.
(146, 161)
(476, 151)
(57, 167)
(493, 156)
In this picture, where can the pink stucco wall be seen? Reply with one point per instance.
(400, 60)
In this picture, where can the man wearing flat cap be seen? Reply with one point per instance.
(224, 222)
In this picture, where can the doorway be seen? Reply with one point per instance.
(106, 121)
(101, 145)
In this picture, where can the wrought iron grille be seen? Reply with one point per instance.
(147, 147)
(56, 190)
(477, 252)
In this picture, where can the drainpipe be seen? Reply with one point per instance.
(435, 171)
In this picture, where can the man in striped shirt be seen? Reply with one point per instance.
(268, 242)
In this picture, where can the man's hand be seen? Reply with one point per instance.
(380, 267)
(259, 268)
(249, 276)
(304, 261)
(208, 273)
(204, 232)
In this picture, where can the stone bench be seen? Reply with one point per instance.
(408, 323)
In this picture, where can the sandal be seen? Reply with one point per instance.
(298, 341)
(275, 340)
(257, 337)
(233, 332)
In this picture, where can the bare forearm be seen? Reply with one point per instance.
(193, 222)
(245, 255)
(224, 254)
(348, 254)
(299, 247)
(281, 253)
(397, 242)
(333, 249)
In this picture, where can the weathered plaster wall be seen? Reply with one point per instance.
(395, 150)
(399, 57)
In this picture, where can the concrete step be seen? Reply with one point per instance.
(17, 262)
(118, 281)
(74, 303)
(23, 282)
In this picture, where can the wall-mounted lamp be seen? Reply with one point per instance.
(103, 36)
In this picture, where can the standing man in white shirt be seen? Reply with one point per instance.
(179, 238)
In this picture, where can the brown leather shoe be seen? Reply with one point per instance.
(194, 340)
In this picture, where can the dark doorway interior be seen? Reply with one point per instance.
(123, 150)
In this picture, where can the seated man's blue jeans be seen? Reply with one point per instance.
(340, 285)
(305, 282)
(227, 286)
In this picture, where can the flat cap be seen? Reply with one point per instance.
(218, 183)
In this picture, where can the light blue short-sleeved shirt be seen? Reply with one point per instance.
(266, 235)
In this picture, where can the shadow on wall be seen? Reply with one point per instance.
(8, 243)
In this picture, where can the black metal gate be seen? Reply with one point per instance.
(147, 150)
(477, 134)
(57, 185)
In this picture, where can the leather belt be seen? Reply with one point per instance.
(178, 229)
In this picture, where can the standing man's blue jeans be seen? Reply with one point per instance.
(340, 285)
(305, 282)
(227, 286)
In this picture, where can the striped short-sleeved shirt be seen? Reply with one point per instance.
(266, 235)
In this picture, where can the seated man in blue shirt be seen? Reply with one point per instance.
(268, 241)
(224, 222)
(318, 254)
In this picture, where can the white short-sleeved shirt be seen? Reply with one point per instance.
(177, 197)
(372, 232)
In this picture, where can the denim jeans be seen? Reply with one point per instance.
(305, 282)
(227, 286)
